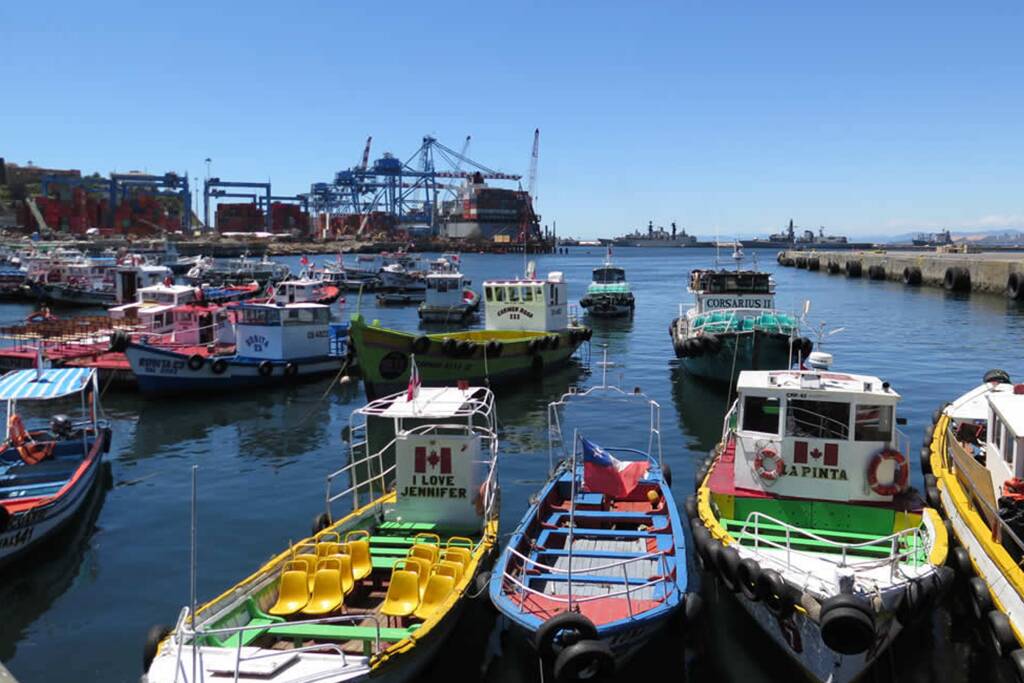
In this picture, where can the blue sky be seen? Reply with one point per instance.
(868, 118)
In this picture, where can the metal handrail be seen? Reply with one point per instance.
(649, 556)
(588, 598)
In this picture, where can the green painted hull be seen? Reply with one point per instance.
(383, 356)
(756, 351)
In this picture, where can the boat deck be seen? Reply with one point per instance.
(21, 483)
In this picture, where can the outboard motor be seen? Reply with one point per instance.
(60, 426)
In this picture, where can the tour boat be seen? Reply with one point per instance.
(804, 513)
(237, 271)
(598, 562)
(973, 459)
(608, 295)
(528, 331)
(108, 284)
(375, 594)
(733, 326)
(303, 290)
(274, 345)
(448, 299)
(50, 462)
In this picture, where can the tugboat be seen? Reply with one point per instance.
(608, 295)
(804, 513)
(373, 595)
(275, 344)
(973, 461)
(598, 562)
(47, 472)
(733, 326)
(528, 331)
(448, 299)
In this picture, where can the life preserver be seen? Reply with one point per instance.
(774, 470)
(31, 451)
(899, 480)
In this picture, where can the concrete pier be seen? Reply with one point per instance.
(994, 273)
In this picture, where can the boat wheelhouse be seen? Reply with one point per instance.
(733, 325)
(528, 330)
(448, 299)
(608, 294)
(375, 592)
(974, 473)
(598, 562)
(304, 291)
(49, 462)
(804, 512)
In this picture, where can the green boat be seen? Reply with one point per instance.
(527, 332)
(608, 295)
(733, 326)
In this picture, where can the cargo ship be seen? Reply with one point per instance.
(489, 213)
(807, 240)
(935, 239)
(657, 237)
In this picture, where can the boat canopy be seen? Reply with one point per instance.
(44, 385)
(609, 275)
(434, 403)
(730, 282)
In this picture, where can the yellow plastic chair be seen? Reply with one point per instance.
(438, 589)
(425, 551)
(423, 569)
(309, 558)
(348, 581)
(427, 545)
(459, 548)
(293, 591)
(327, 595)
(459, 555)
(327, 548)
(455, 568)
(358, 542)
(403, 591)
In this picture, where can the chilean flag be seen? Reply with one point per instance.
(603, 473)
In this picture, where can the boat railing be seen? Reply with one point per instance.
(978, 484)
(817, 425)
(528, 564)
(360, 443)
(185, 637)
(902, 545)
(731, 324)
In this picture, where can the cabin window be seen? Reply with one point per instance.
(487, 294)
(513, 294)
(499, 294)
(538, 293)
(873, 423)
(527, 294)
(818, 419)
(260, 316)
(997, 432)
(761, 414)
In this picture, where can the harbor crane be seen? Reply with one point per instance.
(531, 185)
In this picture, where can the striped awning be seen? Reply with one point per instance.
(19, 385)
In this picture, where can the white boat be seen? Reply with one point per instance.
(608, 294)
(448, 299)
(973, 461)
(805, 514)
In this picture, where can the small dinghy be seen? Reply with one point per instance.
(47, 472)
(375, 594)
(598, 563)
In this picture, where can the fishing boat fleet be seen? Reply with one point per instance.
(803, 511)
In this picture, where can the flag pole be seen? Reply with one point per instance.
(572, 510)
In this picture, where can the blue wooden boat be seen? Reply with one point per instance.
(589, 575)
(47, 469)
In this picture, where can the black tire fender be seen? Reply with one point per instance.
(748, 575)
(847, 624)
(219, 366)
(290, 369)
(666, 475)
(118, 342)
(449, 346)
(494, 348)
(321, 522)
(1015, 286)
(586, 660)
(960, 561)
(702, 542)
(957, 279)
(154, 636)
(814, 264)
(265, 368)
(692, 606)
(981, 598)
(773, 591)
(853, 269)
(690, 507)
(561, 631)
(712, 343)
(926, 459)
(421, 344)
(912, 276)
(195, 362)
(728, 564)
(1016, 659)
(999, 632)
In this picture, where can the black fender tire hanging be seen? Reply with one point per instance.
(813, 264)
(728, 563)
(154, 636)
(1000, 632)
(1015, 286)
(290, 369)
(494, 348)
(421, 344)
(960, 561)
(774, 592)
(195, 362)
(585, 661)
(847, 624)
(748, 575)
(981, 599)
(912, 276)
(265, 368)
(853, 269)
(219, 366)
(321, 522)
(573, 627)
(690, 507)
(449, 346)
(666, 475)
(956, 279)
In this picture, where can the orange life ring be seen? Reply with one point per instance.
(900, 478)
(30, 451)
(773, 471)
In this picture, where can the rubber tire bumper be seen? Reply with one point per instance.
(847, 624)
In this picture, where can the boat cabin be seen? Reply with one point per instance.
(609, 275)
(282, 332)
(816, 434)
(129, 279)
(527, 304)
(445, 290)
(173, 312)
(732, 289)
(298, 291)
(988, 430)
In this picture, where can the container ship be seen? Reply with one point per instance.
(489, 213)
(807, 240)
(657, 237)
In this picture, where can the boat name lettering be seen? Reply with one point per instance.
(433, 486)
(319, 334)
(811, 472)
(20, 538)
(515, 310)
(160, 366)
(257, 342)
(737, 302)
(26, 518)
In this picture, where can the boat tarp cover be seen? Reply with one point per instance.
(19, 385)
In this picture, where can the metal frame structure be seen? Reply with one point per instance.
(261, 196)
(118, 186)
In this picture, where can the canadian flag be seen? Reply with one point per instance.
(831, 453)
(414, 382)
(434, 460)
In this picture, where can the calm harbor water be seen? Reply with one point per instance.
(79, 609)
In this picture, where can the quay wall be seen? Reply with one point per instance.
(994, 273)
